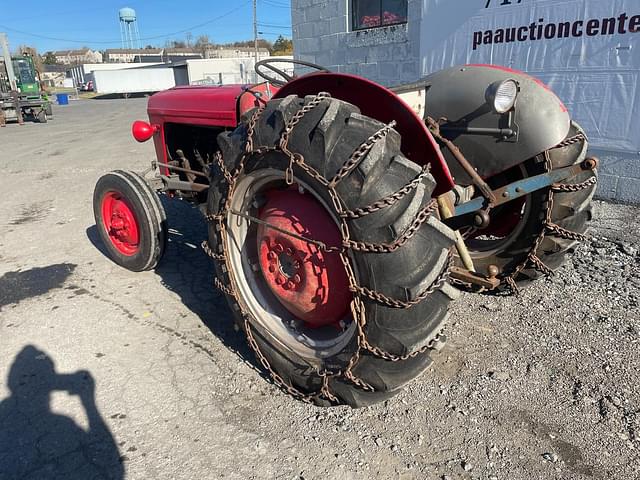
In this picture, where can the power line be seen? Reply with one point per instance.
(273, 4)
(271, 25)
(105, 42)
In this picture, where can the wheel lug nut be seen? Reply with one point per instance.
(271, 256)
(279, 280)
(290, 252)
(278, 248)
(272, 268)
(296, 278)
(289, 284)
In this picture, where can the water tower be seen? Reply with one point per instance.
(129, 28)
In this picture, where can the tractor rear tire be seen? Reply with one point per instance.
(326, 137)
(130, 220)
(570, 210)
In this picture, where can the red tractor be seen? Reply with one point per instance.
(344, 216)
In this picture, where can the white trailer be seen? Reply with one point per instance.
(223, 71)
(133, 80)
(81, 73)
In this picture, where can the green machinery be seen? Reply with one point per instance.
(20, 94)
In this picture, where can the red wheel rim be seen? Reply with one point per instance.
(120, 223)
(309, 282)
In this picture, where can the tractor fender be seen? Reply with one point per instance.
(379, 103)
(456, 97)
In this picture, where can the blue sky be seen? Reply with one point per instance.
(74, 23)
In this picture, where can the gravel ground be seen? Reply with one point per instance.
(112, 374)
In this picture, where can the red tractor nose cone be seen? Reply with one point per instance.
(309, 282)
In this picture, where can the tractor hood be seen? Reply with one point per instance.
(197, 105)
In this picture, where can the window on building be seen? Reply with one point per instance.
(378, 13)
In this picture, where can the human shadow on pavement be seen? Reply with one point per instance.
(186, 270)
(37, 443)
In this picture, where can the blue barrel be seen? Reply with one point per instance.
(63, 98)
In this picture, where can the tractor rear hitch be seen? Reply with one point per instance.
(474, 212)
(488, 282)
(526, 186)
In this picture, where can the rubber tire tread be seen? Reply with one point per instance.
(158, 209)
(151, 229)
(326, 137)
(571, 210)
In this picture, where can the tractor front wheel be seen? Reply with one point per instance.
(130, 220)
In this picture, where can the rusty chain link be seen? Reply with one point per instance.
(223, 168)
(207, 249)
(357, 305)
(391, 199)
(421, 217)
(570, 141)
(559, 231)
(550, 227)
(395, 303)
(360, 153)
(574, 187)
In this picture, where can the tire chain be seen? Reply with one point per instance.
(389, 200)
(550, 227)
(357, 304)
(574, 187)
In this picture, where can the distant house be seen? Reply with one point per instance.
(131, 55)
(235, 52)
(53, 75)
(76, 57)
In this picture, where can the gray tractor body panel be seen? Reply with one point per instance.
(457, 94)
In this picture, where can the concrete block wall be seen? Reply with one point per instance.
(619, 176)
(387, 55)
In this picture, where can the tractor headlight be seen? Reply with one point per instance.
(502, 95)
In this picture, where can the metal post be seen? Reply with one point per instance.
(4, 51)
(255, 30)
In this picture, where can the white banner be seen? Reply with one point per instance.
(586, 50)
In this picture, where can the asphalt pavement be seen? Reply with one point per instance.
(105, 373)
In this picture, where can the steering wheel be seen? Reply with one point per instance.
(263, 66)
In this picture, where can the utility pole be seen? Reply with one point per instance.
(4, 52)
(255, 29)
